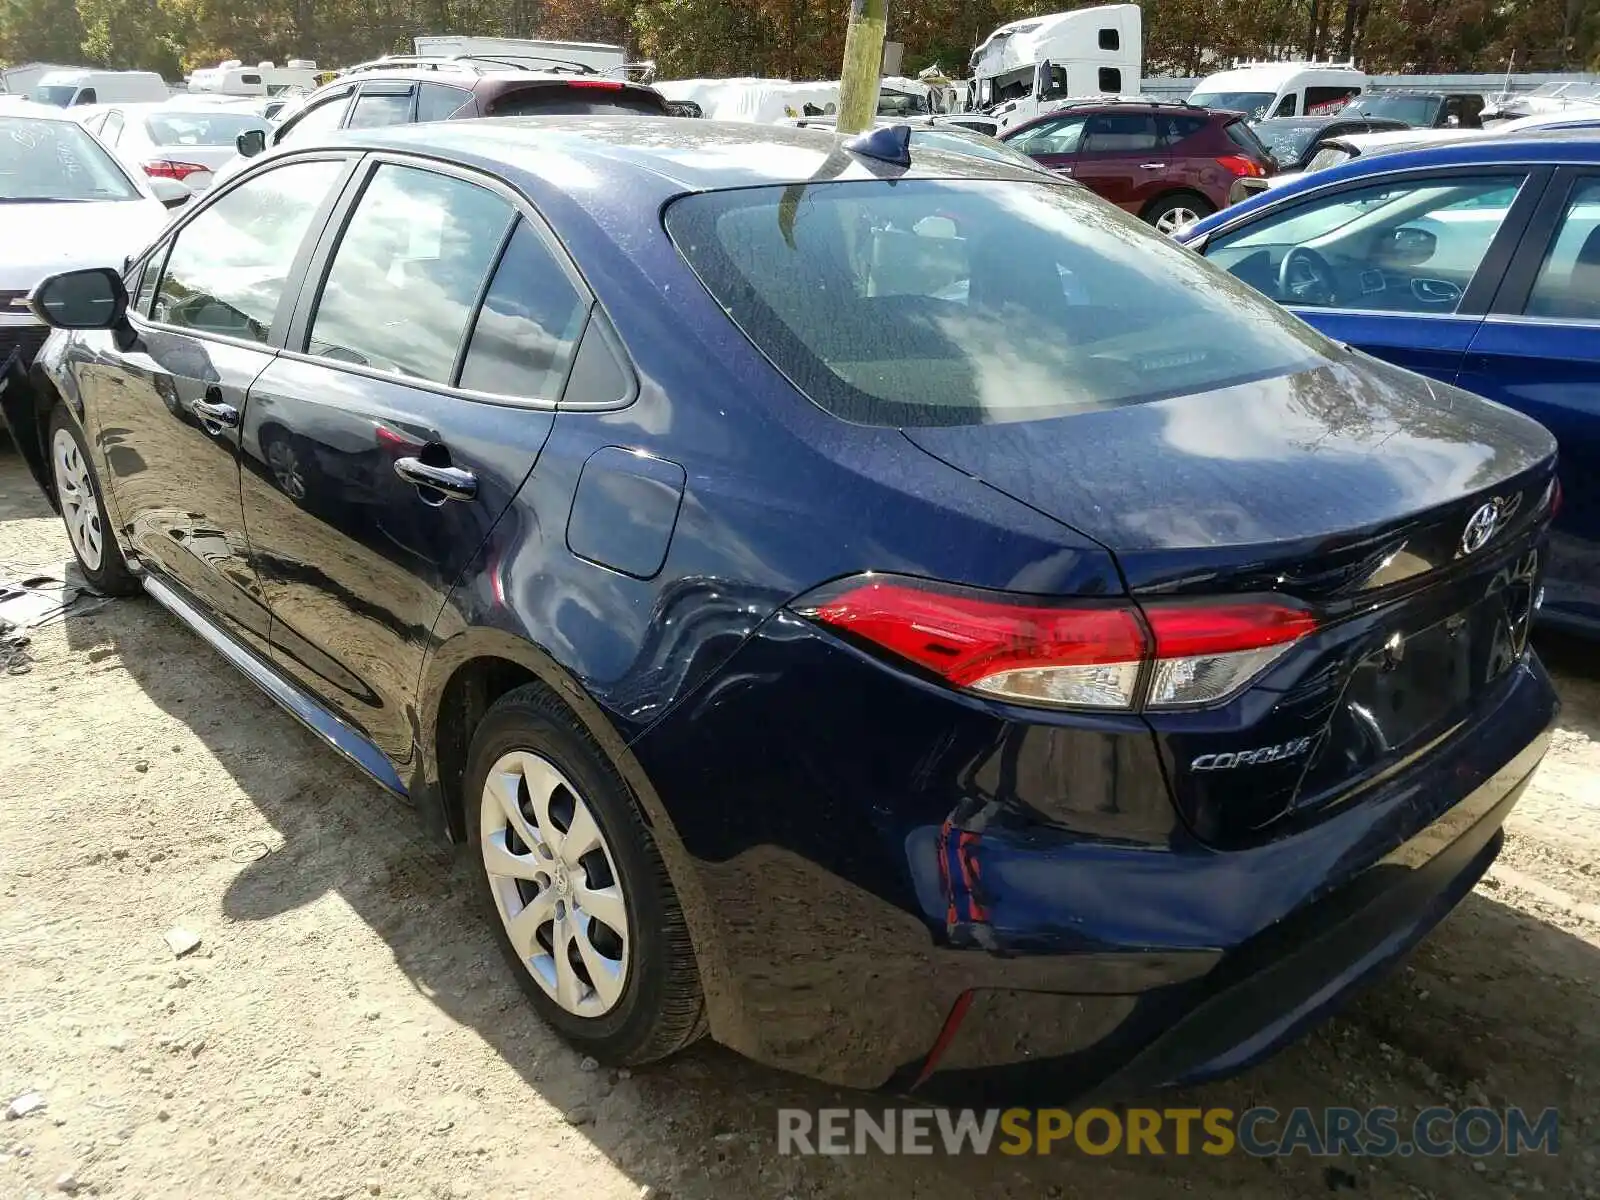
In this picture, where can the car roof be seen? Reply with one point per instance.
(659, 154)
(1553, 148)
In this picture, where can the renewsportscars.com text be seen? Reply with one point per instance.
(1261, 1132)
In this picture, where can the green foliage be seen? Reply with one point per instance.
(800, 39)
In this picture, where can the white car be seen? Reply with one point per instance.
(177, 139)
(65, 203)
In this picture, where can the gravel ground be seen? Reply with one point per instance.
(346, 1028)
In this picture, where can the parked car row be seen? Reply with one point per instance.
(867, 598)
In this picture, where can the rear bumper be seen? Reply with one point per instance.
(810, 795)
(1262, 994)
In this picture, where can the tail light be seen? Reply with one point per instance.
(1238, 164)
(166, 168)
(1076, 654)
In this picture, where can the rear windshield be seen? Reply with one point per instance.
(1413, 110)
(201, 129)
(547, 101)
(938, 302)
(1245, 138)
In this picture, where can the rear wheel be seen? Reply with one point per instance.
(583, 907)
(1171, 213)
(83, 511)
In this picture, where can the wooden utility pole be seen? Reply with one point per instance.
(863, 58)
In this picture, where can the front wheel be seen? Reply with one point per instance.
(583, 907)
(83, 510)
(1172, 213)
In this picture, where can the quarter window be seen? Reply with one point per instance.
(1568, 286)
(436, 101)
(407, 273)
(227, 268)
(112, 129)
(531, 316)
(1409, 247)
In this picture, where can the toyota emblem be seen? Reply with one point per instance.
(1481, 527)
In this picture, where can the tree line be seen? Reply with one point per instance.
(801, 39)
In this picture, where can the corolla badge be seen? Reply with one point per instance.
(1482, 526)
(1252, 758)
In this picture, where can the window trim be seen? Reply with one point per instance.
(315, 277)
(1542, 228)
(294, 280)
(1475, 301)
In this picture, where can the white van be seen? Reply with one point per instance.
(233, 78)
(1281, 89)
(1035, 65)
(67, 89)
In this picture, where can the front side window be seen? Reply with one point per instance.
(228, 267)
(1568, 284)
(375, 109)
(1051, 137)
(407, 272)
(1287, 107)
(531, 317)
(56, 160)
(316, 121)
(933, 302)
(1410, 247)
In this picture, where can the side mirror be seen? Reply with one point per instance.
(170, 192)
(1408, 246)
(90, 299)
(251, 142)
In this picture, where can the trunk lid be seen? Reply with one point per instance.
(1408, 515)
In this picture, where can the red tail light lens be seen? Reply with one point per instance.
(163, 168)
(1238, 164)
(1070, 655)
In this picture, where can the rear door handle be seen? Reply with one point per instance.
(215, 413)
(451, 482)
(1152, 166)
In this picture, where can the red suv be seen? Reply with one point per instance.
(1168, 163)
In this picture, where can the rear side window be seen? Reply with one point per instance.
(1568, 285)
(436, 101)
(227, 268)
(1120, 133)
(1172, 130)
(531, 317)
(375, 109)
(935, 302)
(407, 273)
(582, 99)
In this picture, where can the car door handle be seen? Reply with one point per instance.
(214, 413)
(1152, 166)
(451, 482)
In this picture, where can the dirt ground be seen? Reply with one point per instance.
(346, 1028)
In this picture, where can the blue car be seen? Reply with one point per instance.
(1476, 264)
(880, 606)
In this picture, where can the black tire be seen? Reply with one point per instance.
(1167, 206)
(111, 574)
(661, 1007)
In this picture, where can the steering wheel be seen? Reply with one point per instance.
(1304, 277)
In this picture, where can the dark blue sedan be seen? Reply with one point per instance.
(1477, 264)
(883, 607)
